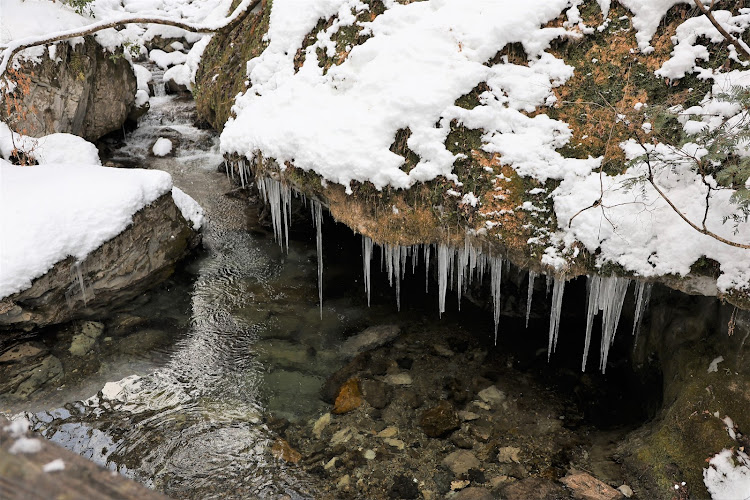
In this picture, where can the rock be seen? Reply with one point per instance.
(349, 398)
(369, 339)
(586, 487)
(398, 379)
(461, 440)
(330, 464)
(404, 487)
(20, 380)
(388, 432)
(83, 91)
(481, 430)
(442, 479)
(508, 454)
(459, 462)
(459, 484)
(476, 476)
(442, 350)
(492, 396)
(395, 443)
(533, 488)
(473, 493)
(282, 451)
(22, 352)
(83, 341)
(439, 420)
(376, 393)
(320, 424)
(342, 436)
(626, 490)
(330, 388)
(369, 454)
(172, 87)
(140, 257)
(343, 482)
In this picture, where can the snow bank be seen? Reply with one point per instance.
(189, 208)
(53, 148)
(52, 211)
(420, 59)
(728, 476)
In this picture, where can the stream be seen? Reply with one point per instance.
(181, 387)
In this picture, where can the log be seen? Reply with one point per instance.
(22, 475)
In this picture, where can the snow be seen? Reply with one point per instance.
(166, 59)
(184, 74)
(341, 124)
(54, 466)
(646, 19)
(189, 208)
(53, 148)
(713, 367)
(25, 445)
(84, 206)
(728, 475)
(162, 147)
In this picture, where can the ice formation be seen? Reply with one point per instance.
(605, 294)
(317, 215)
(554, 316)
(529, 296)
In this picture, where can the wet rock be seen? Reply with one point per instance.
(372, 337)
(22, 352)
(330, 388)
(492, 396)
(83, 91)
(137, 259)
(172, 87)
(533, 488)
(281, 450)
(404, 487)
(85, 338)
(398, 379)
(20, 380)
(279, 425)
(473, 493)
(376, 393)
(439, 420)
(459, 462)
(586, 487)
(143, 341)
(349, 397)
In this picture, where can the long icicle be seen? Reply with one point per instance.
(444, 265)
(496, 277)
(529, 296)
(366, 264)
(593, 286)
(611, 298)
(554, 316)
(642, 296)
(317, 213)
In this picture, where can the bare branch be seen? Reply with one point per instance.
(14, 47)
(741, 48)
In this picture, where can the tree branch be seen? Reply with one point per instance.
(738, 44)
(228, 24)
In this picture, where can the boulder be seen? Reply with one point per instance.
(85, 90)
(120, 269)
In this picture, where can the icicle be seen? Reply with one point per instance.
(462, 256)
(426, 267)
(279, 197)
(317, 213)
(496, 273)
(549, 279)
(611, 297)
(366, 261)
(76, 276)
(529, 296)
(642, 296)
(445, 266)
(593, 285)
(554, 316)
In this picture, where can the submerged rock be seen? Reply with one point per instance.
(372, 337)
(349, 397)
(85, 338)
(120, 269)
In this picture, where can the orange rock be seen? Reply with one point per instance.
(349, 398)
(281, 450)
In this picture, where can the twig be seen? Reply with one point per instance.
(728, 36)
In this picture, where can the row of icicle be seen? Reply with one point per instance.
(460, 267)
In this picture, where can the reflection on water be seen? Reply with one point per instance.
(176, 390)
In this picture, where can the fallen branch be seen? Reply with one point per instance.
(14, 47)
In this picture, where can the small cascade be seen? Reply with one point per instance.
(554, 315)
(529, 296)
(642, 297)
(496, 274)
(317, 215)
(366, 261)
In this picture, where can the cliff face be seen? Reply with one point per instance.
(540, 222)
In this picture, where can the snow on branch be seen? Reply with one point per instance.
(10, 49)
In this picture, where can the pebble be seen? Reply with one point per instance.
(342, 436)
(508, 454)
(369, 454)
(368, 339)
(459, 484)
(467, 416)
(331, 463)
(388, 432)
(459, 462)
(396, 443)
(626, 490)
(482, 405)
(398, 379)
(320, 425)
(343, 482)
(441, 350)
(439, 420)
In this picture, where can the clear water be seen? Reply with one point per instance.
(178, 401)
